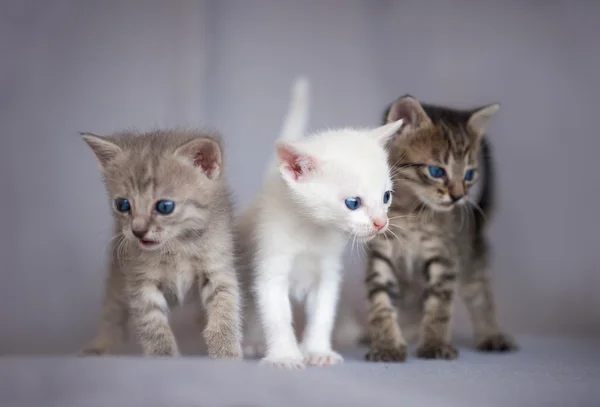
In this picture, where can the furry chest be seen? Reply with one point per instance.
(178, 281)
(305, 271)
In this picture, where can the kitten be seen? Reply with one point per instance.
(440, 234)
(320, 191)
(173, 237)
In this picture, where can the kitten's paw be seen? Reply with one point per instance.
(437, 350)
(292, 362)
(232, 351)
(397, 354)
(323, 358)
(223, 345)
(497, 343)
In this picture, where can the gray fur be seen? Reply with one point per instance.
(195, 257)
(436, 245)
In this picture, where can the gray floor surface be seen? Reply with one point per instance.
(545, 372)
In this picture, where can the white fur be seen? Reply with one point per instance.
(300, 224)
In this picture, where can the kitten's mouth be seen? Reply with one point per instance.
(148, 243)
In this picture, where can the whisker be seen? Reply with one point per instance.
(399, 227)
(401, 217)
(476, 206)
(400, 241)
(111, 242)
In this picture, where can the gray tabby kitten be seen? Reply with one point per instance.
(173, 237)
(440, 241)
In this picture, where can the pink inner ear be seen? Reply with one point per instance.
(208, 158)
(295, 163)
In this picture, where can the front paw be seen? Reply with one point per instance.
(323, 358)
(222, 346)
(160, 347)
(289, 362)
(437, 350)
(496, 343)
(386, 354)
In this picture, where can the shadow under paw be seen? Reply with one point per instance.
(386, 355)
(437, 350)
(93, 352)
(497, 343)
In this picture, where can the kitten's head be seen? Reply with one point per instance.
(436, 151)
(162, 185)
(341, 178)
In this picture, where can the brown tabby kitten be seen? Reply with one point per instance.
(173, 236)
(440, 234)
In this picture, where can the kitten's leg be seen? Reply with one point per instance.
(273, 304)
(435, 326)
(149, 312)
(115, 316)
(387, 343)
(221, 297)
(474, 287)
(321, 306)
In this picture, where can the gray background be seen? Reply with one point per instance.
(71, 65)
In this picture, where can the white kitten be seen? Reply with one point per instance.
(320, 191)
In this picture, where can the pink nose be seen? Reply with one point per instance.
(379, 223)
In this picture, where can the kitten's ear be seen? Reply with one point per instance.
(480, 117)
(383, 133)
(294, 164)
(204, 154)
(410, 110)
(104, 149)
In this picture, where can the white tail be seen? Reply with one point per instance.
(296, 120)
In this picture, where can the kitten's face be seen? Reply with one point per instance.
(444, 170)
(437, 156)
(159, 191)
(342, 180)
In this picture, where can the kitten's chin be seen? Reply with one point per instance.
(438, 206)
(442, 207)
(367, 237)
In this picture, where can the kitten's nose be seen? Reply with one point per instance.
(379, 223)
(455, 198)
(139, 226)
(139, 233)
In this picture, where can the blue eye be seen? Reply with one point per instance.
(469, 175)
(387, 196)
(352, 203)
(165, 207)
(435, 171)
(122, 205)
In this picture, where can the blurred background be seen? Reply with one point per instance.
(78, 65)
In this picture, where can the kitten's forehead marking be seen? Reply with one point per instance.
(455, 139)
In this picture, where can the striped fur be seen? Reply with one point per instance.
(193, 253)
(437, 246)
